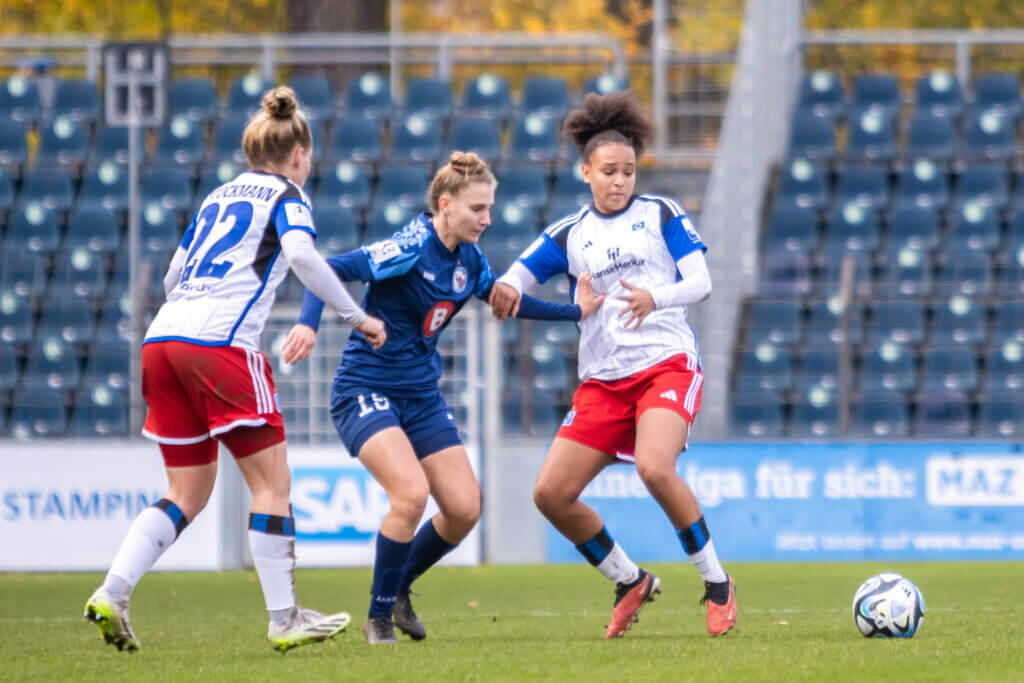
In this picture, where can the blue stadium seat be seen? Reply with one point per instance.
(812, 137)
(550, 371)
(1001, 416)
(975, 227)
(768, 367)
(512, 226)
(113, 144)
(931, 137)
(38, 413)
(106, 187)
(1004, 368)
(155, 261)
(78, 274)
(70, 320)
(50, 187)
(879, 414)
(246, 94)
(888, 366)
(1000, 92)
(942, 415)
(939, 94)
(356, 138)
(227, 140)
(487, 96)
(23, 272)
(215, 174)
(756, 414)
(822, 94)
(953, 369)
(984, 184)
(816, 414)
(544, 416)
(168, 186)
(913, 226)
(877, 91)
(195, 98)
(369, 96)
(775, 322)
(534, 140)
(430, 98)
(160, 229)
(899, 321)
(8, 370)
(416, 141)
(405, 185)
(865, 185)
(1011, 278)
(64, 142)
(99, 410)
(819, 367)
(1008, 323)
(316, 96)
(569, 192)
(19, 100)
(852, 227)
(6, 193)
(958, 321)
(108, 362)
(77, 99)
(337, 229)
(13, 147)
(33, 227)
(605, 84)
(830, 273)
(907, 275)
(922, 183)
(52, 364)
(545, 95)
(115, 325)
(345, 185)
(804, 184)
(180, 142)
(523, 185)
(792, 227)
(478, 135)
(825, 323)
(989, 137)
(16, 325)
(872, 136)
(965, 273)
(386, 219)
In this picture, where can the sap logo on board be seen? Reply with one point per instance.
(336, 504)
(34, 505)
(974, 480)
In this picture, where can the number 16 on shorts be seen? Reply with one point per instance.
(375, 403)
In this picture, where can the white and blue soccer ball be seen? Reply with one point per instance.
(888, 606)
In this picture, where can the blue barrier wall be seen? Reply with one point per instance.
(786, 501)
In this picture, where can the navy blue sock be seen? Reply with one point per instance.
(427, 549)
(387, 573)
(694, 537)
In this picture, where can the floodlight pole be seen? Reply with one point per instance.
(136, 285)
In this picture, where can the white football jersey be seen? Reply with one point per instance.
(234, 262)
(640, 245)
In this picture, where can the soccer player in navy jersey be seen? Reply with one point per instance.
(386, 404)
(638, 360)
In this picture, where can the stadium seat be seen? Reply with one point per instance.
(13, 147)
(821, 93)
(804, 184)
(160, 229)
(605, 84)
(8, 370)
(872, 136)
(170, 187)
(913, 226)
(512, 226)
(931, 137)
(108, 362)
(246, 94)
(416, 141)
(356, 138)
(888, 366)
(792, 227)
(78, 274)
(1001, 416)
(369, 96)
(879, 414)
(965, 273)
(876, 91)
(180, 142)
(766, 367)
(1008, 323)
(756, 414)
(922, 183)
(487, 96)
(316, 96)
(570, 190)
(405, 185)
(983, 184)
(543, 416)
(337, 229)
(825, 322)
(478, 135)
(526, 186)
(227, 140)
(215, 174)
(812, 137)
(52, 364)
(19, 101)
(999, 92)
(549, 369)
(974, 228)
(99, 410)
(384, 221)
(852, 227)
(546, 96)
(33, 227)
(939, 94)
(430, 98)
(819, 367)
(113, 144)
(38, 413)
(899, 321)
(534, 140)
(345, 185)
(868, 186)
(1004, 368)
(115, 324)
(6, 193)
(78, 100)
(956, 322)
(775, 322)
(829, 277)
(785, 273)
(16, 324)
(195, 98)
(68, 319)
(989, 137)
(815, 414)
(23, 272)
(942, 415)
(954, 369)
(908, 274)
(64, 142)
(50, 187)
(105, 187)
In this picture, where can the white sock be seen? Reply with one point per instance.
(149, 536)
(274, 557)
(706, 561)
(618, 567)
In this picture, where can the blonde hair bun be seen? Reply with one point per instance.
(280, 102)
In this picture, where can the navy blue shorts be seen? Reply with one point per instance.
(359, 413)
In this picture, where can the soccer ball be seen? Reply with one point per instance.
(888, 606)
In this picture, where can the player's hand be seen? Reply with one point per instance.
(374, 330)
(585, 297)
(639, 303)
(298, 344)
(504, 301)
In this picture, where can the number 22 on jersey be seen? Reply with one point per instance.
(231, 225)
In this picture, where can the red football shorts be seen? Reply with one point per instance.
(197, 392)
(604, 414)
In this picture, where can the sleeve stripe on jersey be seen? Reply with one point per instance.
(567, 222)
(672, 205)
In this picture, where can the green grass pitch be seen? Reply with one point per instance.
(528, 623)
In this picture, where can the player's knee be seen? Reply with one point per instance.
(656, 476)
(548, 498)
(410, 501)
(465, 512)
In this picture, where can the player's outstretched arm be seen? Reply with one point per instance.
(318, 277)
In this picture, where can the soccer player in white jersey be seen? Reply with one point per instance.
(638, 361)
(206, 382)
